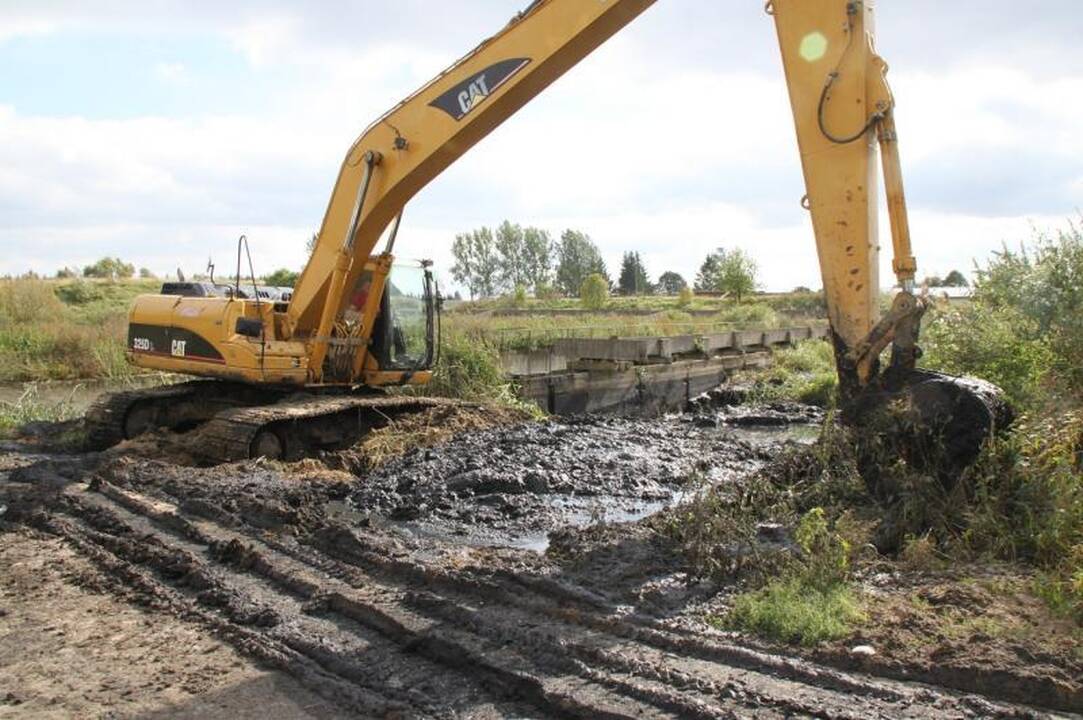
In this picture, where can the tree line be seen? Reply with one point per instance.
(517, 259)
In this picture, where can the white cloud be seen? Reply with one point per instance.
(172, 73)
(24, 28)
(266, 39)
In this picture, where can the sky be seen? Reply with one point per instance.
(160, 131)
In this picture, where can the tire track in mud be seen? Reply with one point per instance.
(386, 636)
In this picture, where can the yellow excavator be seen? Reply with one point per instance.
(288, 377)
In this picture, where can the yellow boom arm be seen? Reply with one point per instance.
(841, 104)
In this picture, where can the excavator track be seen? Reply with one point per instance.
(106, 418)
(293, 428)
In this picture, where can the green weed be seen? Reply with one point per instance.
(805, 373)
(789, 610)
(31, 408)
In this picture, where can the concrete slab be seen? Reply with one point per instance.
(539, 362)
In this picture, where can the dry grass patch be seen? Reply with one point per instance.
(432, 427)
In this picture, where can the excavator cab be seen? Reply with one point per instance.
(406, 333)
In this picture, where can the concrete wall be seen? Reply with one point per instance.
(637, 376)
(640, 390)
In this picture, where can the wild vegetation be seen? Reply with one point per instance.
(1021, 502)
(66, 329)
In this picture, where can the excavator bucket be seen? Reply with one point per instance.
(938, 423)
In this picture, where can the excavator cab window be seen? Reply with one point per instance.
(406, 321)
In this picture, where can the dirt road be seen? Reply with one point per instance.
(378, 620)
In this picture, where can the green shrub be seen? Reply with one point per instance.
(469, 369)
(685, 296)
(750, 315)
(789, 610)
(80, 292)
(812, 601)
(594, 292)
(282, 278)
(805, 373)
(519, 298)
(28, 300)
(1044, 282)
(998, 344)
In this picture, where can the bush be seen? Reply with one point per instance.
(110, 269)
(752, 315)
(282, 278)
(998, 344)
(28, 300)
(594, 292)
(545, 291)
(80, 292)
(685, 296)
(1043, 283)
(519, 298)
(805, 373)
(469, 369)
(813, 601)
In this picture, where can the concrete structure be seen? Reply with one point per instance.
(640, 375)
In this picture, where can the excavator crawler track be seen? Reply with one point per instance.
(302, 425)
(106, 417)
(177, 407)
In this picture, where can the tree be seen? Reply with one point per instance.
(707, 279)
(109, 268)
(509, 250)
(476, 263)
(577, 258)
(282, 278)
(537, 259)
(728, 271)
(933, 281)
(310, 244)
(66, 272)
(146, 274)
(594, 291)
(671, 283)
(956, 279)
(633, 276)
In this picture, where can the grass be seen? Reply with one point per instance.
(64, 330)
(788, 610)
(805, 374)
(31, 408)
(808, 305)
(430, 428)
(532, 331)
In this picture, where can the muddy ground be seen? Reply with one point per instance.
(499, 573)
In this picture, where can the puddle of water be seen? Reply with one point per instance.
(79, 394)
(762, 435)
(579, 511)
